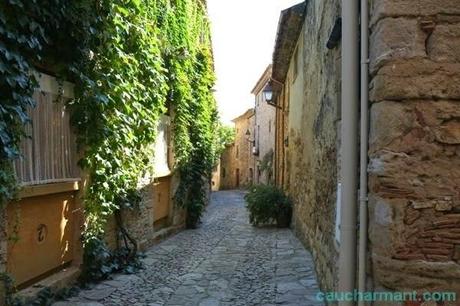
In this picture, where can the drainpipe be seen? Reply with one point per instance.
(362, 258)
(349, 160)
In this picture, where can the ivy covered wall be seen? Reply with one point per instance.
(131, 61)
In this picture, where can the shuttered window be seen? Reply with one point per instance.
(48, 153)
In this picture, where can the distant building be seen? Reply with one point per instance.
(226, 169)
(244, 142)
(411, 202)
(264, 132)
(237, 163)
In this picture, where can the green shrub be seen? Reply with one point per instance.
(268, 204)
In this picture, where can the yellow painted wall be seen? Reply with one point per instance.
(41, 235)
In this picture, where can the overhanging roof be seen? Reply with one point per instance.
(262, 80)
(248, 114)
(289, 28)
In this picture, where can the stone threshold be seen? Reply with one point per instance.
(59, 280)
(159, 236)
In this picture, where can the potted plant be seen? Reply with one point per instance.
(267, 204)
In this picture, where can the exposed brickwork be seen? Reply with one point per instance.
(414, 169)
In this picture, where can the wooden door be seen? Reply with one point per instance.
(41, 236)
(161, 201)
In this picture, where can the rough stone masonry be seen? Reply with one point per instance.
(414, 153)
(3, 250)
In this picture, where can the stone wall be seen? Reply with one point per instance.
(265, 137)
(414, 170)
(215, 178)
(3, 240)
(139, 221)
(244, 159)
(3, 252)
(312, 153)
(227, 168)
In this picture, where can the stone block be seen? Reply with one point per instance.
(436, 178)
(439, 7)
(416, 79)
(418, 274)
(443, 44)
(412, 8)
(389, 121)
(396, 38)
(382, 215)
(380, 9)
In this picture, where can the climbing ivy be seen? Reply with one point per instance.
(29, 32)
(131, 61)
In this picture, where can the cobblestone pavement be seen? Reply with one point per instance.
(224, 262)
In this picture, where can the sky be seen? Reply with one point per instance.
(243, 34)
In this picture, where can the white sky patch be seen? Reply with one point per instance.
(243, 33)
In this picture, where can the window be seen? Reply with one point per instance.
(223, 172)
(269, 126)
(163, 152)
(237, 152)
(49, 153)
(296, 64)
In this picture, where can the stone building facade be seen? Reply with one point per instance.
(3, 252)
(227, 168)
(156, 215)
(45, 222)
(237, 162)
(306, 78)
(414, 140)
(244, 159)
(414, 145)
(264, 131)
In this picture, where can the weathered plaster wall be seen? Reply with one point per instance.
(265, 135)
(312, 154)
(415, 144)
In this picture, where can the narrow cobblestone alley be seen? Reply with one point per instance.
(224, 262)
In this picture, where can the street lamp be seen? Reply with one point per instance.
(248, 134)
(268, 92)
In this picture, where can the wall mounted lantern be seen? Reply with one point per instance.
(248, 134)
(268, 92)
